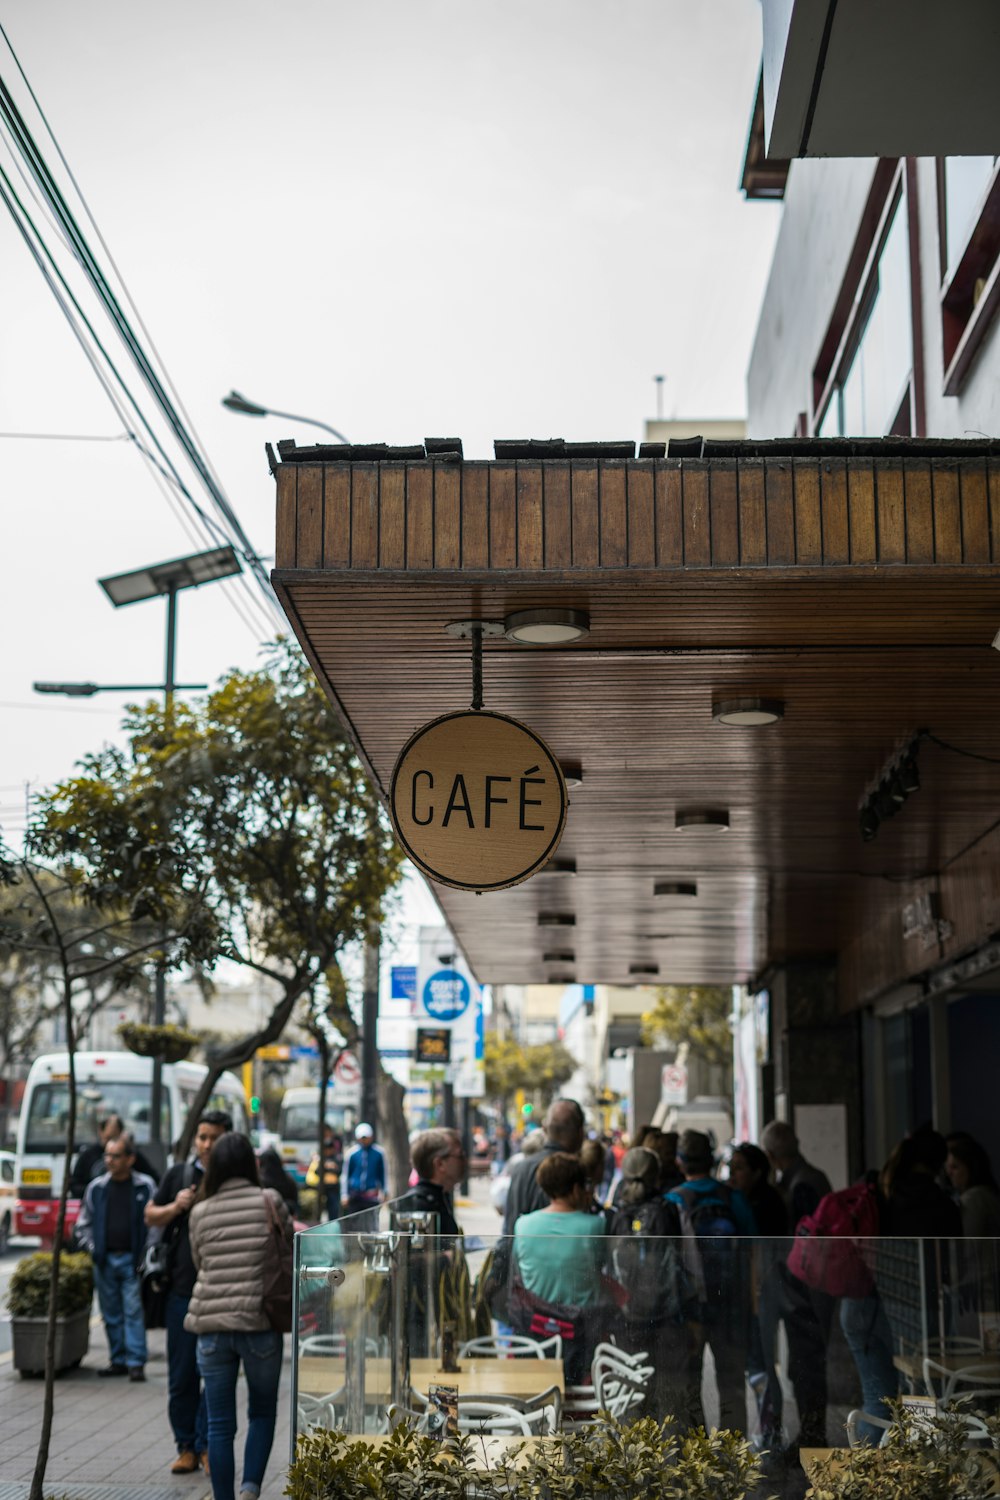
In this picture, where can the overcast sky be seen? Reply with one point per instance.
(406, 219)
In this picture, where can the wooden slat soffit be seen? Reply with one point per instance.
(664, 514)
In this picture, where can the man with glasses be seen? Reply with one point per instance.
(439, 1159)
(112, 1229)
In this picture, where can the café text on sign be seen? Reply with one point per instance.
(478, 801)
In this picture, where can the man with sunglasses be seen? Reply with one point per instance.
(112, 1229)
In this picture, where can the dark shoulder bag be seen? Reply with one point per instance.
(279, 1257)
(156, 1267)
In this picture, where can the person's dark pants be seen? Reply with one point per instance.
(185, 1397)
(869, 1338)
(333, 1202)
(807, 1315)
(726, 1337)
(219, 1359)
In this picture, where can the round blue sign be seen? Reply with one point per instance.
(446, 995)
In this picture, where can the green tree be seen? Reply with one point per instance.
(540, 1070)
(697, 1014)
(245, 826)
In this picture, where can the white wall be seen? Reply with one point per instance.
(823, 205)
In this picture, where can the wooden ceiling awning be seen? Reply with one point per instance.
(857, 583)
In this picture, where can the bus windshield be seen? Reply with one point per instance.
(299, 1121)
(48, 1112)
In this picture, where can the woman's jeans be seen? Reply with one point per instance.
(219, 1356)
(869, 1338)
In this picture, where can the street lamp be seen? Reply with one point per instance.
(165, 579)
(235, 402)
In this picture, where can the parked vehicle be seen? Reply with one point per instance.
(107, 1083)
(298, 1124)
(7, 1195)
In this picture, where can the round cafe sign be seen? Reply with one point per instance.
(477, 801)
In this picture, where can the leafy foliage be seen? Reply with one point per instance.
(539, 1070)
(926, 1456)
(243, 824)
(29, 1287)
(605, 1459)
(697, 1014)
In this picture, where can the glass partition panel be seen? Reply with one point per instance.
(796, 1343)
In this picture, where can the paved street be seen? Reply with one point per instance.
(110, 1439)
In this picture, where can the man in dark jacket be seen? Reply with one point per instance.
(805, 1312)
(440, 1162)
(90, 1162)
(564, 1131)
(439, 1159)
(112, 1228)
(169, 1213)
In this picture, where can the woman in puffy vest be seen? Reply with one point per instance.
(230, 1225)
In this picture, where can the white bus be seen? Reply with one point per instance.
(298, 1124)
(107, 1083)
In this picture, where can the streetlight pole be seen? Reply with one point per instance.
(156, 580)
(246, 408)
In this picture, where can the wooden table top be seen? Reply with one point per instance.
(321, 1374)
(911, 1364)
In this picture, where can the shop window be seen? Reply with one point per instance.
(969, 238)
(868, 389)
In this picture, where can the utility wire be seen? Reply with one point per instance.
(77, 245)
(65, 299)
(70, 437)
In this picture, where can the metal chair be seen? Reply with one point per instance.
(512, 1346)
(854, 1421)
(320, 1411)
(475, 1415)
(548, 1402)
(945, 1383)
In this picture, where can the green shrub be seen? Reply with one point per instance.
(924, 1456)
(605, 1459)
(28, 1289)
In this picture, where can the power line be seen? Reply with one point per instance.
(170, 410)
(69, 437)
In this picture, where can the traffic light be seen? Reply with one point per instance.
(254, 1104)
(527, 1110)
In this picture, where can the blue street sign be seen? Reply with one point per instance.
(446, 995)
(303, 1051)
(404, 982)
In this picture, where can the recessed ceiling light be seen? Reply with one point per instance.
(675, 888)
(702, 819)
(572, 772)
(556, 919)
(559, 867)
(748, 713)
(546, 627)
(561, 979)
(560, 956)
(644, 968)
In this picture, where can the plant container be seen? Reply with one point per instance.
(72, 1342)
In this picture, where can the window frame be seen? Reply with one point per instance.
(894, 182)
(965, 320)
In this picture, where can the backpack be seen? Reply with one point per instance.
(279, 1259)
(825, 1253)
(644, 1259)
(710, 1240)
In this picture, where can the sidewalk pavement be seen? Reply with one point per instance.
(110, 1438)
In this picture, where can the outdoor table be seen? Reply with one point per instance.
(321, 1374)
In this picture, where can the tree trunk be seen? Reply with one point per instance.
(239, 1052)
(48, 1408)
(323, 1047)
(392, 1132)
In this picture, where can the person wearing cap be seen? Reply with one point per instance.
(716, 1224)
(364, 1180)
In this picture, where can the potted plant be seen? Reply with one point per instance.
(171, 1044)
(28, 1305)
(606, 1460)
(950, 1455)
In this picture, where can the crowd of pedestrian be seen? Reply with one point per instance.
(663, 1255)
(649, 1243)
